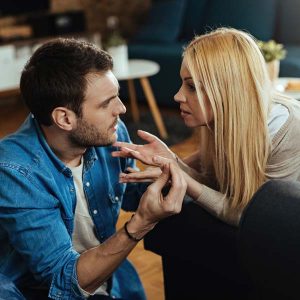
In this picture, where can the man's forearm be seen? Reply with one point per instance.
(96, 265)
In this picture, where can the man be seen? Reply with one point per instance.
(8, 290)
(60, 194)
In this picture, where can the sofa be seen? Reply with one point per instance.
(204, 258)
(171, 24)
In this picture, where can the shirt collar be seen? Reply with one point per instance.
(89, 156)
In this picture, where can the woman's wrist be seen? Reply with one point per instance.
(194, 188)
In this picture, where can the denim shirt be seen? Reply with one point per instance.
(37, 206)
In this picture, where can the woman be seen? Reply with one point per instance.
(248, 133)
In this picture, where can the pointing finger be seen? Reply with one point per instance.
(147, 136)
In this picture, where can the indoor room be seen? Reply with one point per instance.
(149, 149)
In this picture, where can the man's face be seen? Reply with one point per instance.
(100, 112)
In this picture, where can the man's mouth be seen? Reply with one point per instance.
(114, 123)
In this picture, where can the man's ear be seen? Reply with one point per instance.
(64, 118)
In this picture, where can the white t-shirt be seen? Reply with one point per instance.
(84, 237)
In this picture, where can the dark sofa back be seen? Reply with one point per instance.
(264, 19)
(203, 15)
(288, 22)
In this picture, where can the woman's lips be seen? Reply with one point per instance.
(184, 113)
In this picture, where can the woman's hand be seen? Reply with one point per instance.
(144, 153)
(148, 175)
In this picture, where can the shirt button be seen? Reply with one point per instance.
(95, 211)
(117, 198)
(87, 184)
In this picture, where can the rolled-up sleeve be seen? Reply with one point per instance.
(35, 228)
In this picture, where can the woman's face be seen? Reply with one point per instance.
(187, 97)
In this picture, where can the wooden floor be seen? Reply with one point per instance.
(148, 264)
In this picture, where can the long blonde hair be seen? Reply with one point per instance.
(229, 66)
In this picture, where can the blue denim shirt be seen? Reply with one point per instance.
(37, 205)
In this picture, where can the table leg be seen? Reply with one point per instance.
(133, 103)
(153, 107)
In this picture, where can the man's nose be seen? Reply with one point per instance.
(121, 109)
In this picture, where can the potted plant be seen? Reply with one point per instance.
(272, 52)
(116, 45)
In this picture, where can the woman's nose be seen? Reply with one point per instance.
(178, 97)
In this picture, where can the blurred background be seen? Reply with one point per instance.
(155, 30)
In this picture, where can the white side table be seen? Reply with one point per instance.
(281, 84)
(141, 69)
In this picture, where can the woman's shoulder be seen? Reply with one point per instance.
(291, 104)
(284, 159)
(289, 132)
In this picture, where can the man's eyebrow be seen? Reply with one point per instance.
(110, 98)
(106, 101)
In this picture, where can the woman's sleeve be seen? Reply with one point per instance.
(217, 204)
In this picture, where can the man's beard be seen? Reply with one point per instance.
(87, 135)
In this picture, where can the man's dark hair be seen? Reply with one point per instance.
(56, 73)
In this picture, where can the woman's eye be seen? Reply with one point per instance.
(191, 87)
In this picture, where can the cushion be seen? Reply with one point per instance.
(254, 16)
(163, 23)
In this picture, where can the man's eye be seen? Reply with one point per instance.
(106, 104)
(103, 105)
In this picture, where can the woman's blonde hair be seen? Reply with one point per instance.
(229, 67)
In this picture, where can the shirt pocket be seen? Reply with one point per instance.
(115, 196)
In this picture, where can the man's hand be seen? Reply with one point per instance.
(144, 153)
(154, 206)
(97, 264)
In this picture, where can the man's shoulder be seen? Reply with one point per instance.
(20, 147)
